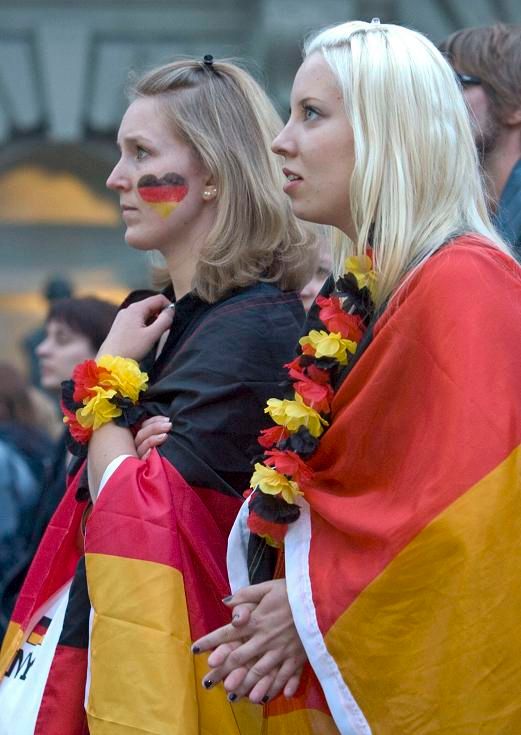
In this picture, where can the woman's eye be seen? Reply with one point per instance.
(140, 153)
(310, 113)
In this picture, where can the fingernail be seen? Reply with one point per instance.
(196, 649)
(232, 697)
(228, 598)
(208, 683)
(265, 699)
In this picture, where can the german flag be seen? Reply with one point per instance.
(162, 194)
(404, 570)
(39, 631)
(155, 552)
(58, 561)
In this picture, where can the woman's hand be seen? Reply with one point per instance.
(137, 328)
(270, 656)
(153, 433)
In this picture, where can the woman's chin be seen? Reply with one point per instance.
(137, 242)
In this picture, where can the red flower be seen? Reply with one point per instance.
(290, 464)
(317, 375)
(315, 395)
(86, 376)
(308, 350)
(77, 431)
(336, 320)
(269, 437)
(273, 532)
(295, 369)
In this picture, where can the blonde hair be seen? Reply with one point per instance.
(416, 183)
(225, 116)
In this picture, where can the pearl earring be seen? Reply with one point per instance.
(210, 193)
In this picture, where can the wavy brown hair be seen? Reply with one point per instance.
(228, 120)
(493, 54)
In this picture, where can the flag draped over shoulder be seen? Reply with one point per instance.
(54, 694)
(404, 571)
(155, 557)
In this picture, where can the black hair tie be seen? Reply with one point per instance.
(208, 60)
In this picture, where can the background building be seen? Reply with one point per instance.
(63, 70)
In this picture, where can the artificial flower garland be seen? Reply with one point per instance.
(101, 391)
(301, 419)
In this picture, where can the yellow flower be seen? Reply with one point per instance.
(98, 410)
(294, 414)
(271, 482)
(329, 344)
(362, 269)
(126, 378)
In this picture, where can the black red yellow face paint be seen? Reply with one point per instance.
(162, 194)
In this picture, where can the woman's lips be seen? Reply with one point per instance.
(293, 179)
(291, 185)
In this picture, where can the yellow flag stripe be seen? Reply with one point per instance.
(434, 644)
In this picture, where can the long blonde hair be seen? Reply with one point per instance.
(225, 116)
(416, 182)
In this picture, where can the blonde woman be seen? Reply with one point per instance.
(197, 181)
(395, 458)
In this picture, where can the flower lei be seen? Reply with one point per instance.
(99, 392)
(280, 476)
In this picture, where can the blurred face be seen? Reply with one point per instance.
(485, 125)
(60, 352)
(311, 289)
(318, 148)
(161, 184)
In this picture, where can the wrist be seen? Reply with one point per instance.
(101, 390)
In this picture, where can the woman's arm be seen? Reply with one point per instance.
(132, 335)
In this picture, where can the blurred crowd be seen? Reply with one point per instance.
(33, 450)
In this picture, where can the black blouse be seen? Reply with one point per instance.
(219, 365)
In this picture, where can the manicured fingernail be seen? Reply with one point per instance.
(208, 683)
(232, 697)
(265, 699)
(196, 649)
(227, 599)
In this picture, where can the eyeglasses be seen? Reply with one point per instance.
(467, 80)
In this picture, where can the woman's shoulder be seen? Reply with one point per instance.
(468, 264)
(470, 253)
(259, 306)
(467, 276)
(260, 294)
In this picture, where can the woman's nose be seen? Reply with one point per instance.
(282, 144)
(118, 180)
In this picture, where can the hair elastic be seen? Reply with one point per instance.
(208, 60)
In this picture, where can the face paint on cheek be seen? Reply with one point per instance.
(164, 194)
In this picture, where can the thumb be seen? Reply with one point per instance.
(162, 322)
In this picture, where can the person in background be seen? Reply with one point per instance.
(25, 452)
(323, 269)
(73, 332)
(57, 287)
(395, 606)
(487, 62)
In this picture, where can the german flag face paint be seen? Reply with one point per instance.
(162, 194)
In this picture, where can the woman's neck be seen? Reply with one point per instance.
(182, 256)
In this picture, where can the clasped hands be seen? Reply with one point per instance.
(259, 653)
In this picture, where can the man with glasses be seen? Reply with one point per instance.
(487, 62)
